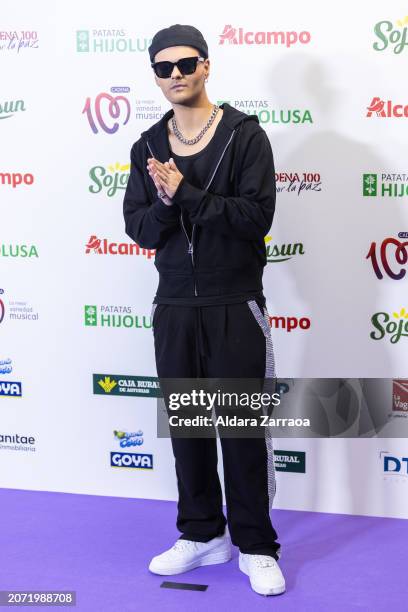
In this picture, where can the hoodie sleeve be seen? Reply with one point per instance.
(247, 215)
(147, 223)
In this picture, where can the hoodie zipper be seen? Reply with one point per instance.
(190, 249)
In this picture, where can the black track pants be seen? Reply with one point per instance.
(224, 341)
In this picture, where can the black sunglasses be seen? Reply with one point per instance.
(186, 65)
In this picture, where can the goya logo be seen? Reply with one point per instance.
(278, 253)
(110, 179)
(10, 389)
(8, 109)
(390, 250)
(126, 438)
(132, 460)
(109, 384)
(290, 461)
(393, 185)
(390, 36)
(237, 36)
(394, 326)
(380, 108)
(105, 108)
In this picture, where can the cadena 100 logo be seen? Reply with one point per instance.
(107, 108)
(398, 254)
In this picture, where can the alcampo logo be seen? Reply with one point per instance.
(379, 108)
(122, 384)
(104, 247)
(391, 37)
(10, 389)
(393, 250)
(132, 460)
(391, 184)
(18, 250)
(237, 36)
(8, 109)
(111, 178)
(395, 325)
(16, 178)
(283, 252)
(114, 316)
(289, 323)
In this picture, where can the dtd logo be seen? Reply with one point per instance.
(112, 108)
(395, 465)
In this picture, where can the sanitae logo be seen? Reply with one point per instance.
(391, 37)
(114, 316)
(266, 114)
(240, 36)
(8, 109)
(298, 182)
(110, 41)
(276, 253)
(128, 438)
(109, 179)
(392, 326)
(289, 323)
(17, 442)
(14, 179)
(18, 250)
(382, 108)
(102, 246)
(386, 184)
(123, 384)
(391, 256)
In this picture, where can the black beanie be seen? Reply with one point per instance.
(178, 35)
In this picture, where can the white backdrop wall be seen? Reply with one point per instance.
(340, 174)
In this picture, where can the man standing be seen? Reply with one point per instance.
(202, 193)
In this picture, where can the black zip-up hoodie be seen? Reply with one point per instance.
(222, 262)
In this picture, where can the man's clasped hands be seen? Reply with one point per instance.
(166, 177)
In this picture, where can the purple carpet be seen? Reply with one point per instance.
(100, 547)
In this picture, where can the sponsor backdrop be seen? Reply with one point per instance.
(78, 383)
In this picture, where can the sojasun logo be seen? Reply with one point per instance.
(110, 179)
(391, 37)
(380, 108)
(277, 253)
(394, 326)
(237, 36)
(8, 109)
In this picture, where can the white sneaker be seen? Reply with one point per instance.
(186, 554)
(264, 573)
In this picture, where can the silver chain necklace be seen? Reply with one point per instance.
(192, 141)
